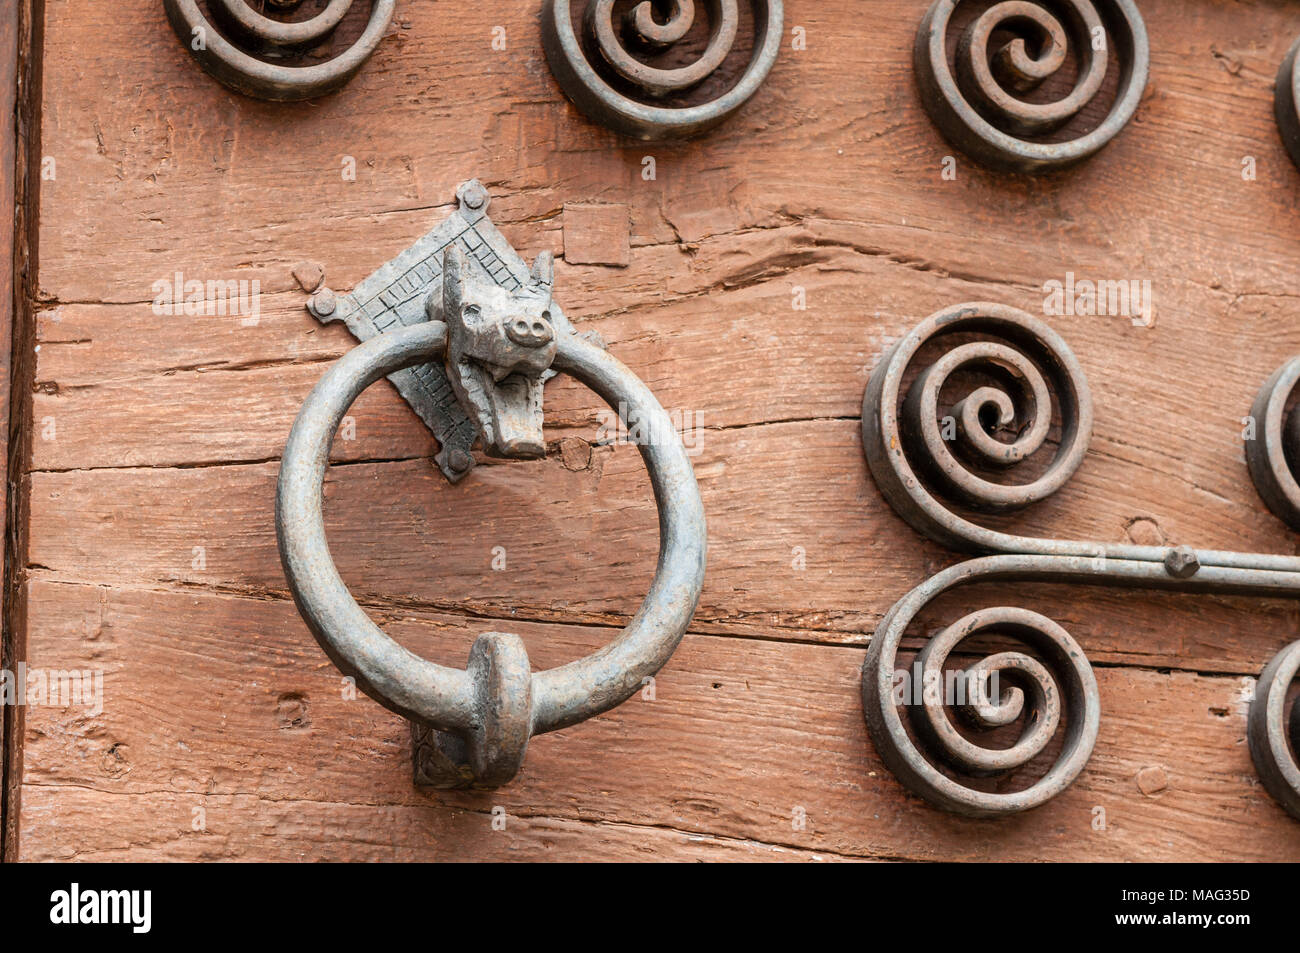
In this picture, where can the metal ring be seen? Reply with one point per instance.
(497, 705)
(246, 74)
(1286, 102)
(1268, 727)
(596, 84)
(978, 102)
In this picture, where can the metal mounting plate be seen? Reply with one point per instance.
(394, 297)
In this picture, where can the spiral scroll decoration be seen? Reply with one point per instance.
(935, 433)
(911, 446)
(1273, 729)
(1273, 448)
(1049, 692)
(1272, 453)
(239, 46)
(1286, 102)
(985, 101)
(983, 408)
(605, 65)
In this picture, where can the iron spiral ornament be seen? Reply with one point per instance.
(246, 49)
(983, 408)
(1286, 102)
(1273, 729)
(1047, 687)
(921, 447)
(1029, 365)
(608, 64)
(1273, 455)
(997, 99)
(1272, 452)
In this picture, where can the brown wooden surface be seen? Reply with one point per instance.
(167, 432)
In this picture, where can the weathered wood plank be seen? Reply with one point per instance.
(835, 132)
(245, 827)
(227, 703)
(800, 543)
(123, 367)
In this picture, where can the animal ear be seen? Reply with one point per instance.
(454, 267)
(544, 270)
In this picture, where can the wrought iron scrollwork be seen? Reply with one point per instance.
(239, 46)
(1273, 729)
(984, 101)
(1270, 455)
(607, 64)
(1286, 102)
(931, 436)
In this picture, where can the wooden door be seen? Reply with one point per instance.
(142, 542)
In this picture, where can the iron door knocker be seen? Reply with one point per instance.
(469, 335)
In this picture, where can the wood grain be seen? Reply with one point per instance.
(155, 444)
(402, 537)
(251, 722)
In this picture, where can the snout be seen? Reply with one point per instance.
(530, 332)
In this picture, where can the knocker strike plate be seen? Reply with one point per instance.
(394, 296)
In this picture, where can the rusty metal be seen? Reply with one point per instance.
(493, 336)
(931, 436)
(1286, 102)
(605, 68)
(982, 100)
(239, 45)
